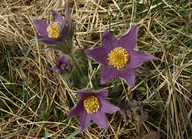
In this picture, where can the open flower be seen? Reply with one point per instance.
(118, 57)
(62, 64)
(92, 106)
(56, 31)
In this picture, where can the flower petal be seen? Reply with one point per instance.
(107, 107)
(102, 94)
(67, 67)
(63, 29)
(84, 119)
(63, 60)
(67, 15)
(108, 73)
(137, 59)
(41, 26)
(99, 54)
(77, 109)
(56, 68)
(62, 68)
(59, 61)
(128, 75)
(109, 42)
(129, 40)
(57, 17)
(84, 94)
(99, 119)
(47, 39)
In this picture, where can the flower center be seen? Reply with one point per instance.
(53, 30)
(118, 57)
(62, 65)
(91, 104)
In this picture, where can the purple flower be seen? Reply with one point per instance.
(56, 31)
(118, 57)
(92, 106)
(62, 64)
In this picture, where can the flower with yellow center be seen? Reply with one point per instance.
(118, 57)
(53, 30)
(56, 32)
(62, 64)
(91, 104)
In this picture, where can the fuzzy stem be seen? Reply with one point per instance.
(77, 65)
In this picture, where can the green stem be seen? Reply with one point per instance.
(77, 65)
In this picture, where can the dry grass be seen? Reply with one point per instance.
(34, 100)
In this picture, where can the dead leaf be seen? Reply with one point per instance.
(188, 18)
(150, 135)
(134, 110)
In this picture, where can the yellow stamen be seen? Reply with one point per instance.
(91, 104)
(53, 30)
(118, 57)
(62, 65)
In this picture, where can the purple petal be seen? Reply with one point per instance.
(62, 68)
(128, 75)
(67, 15)
(77, 109)
(84, 94)
(41, 26)
(108, 73)
(129, 40)
(59, 61)
(47, 40)
(63, 31)
(63, 60)
(84, 119)
(102, 94)
(137, 59)
(99, 54)
(61, 27)
(56, 67)
(109, 42)
(99, 119)
(67, 67)
(57, 17)
(107, 107)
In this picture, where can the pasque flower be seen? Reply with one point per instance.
(92, 106)
(118, 57)
(56, 31)
(62, 64)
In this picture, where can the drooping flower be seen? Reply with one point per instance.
(56, 31)
(62, 64)
(92, 106)
(118, 57)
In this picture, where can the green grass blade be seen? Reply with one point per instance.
(3, 79)
(10, 66)
(3, 59)
(73, 134)
(25, 57)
